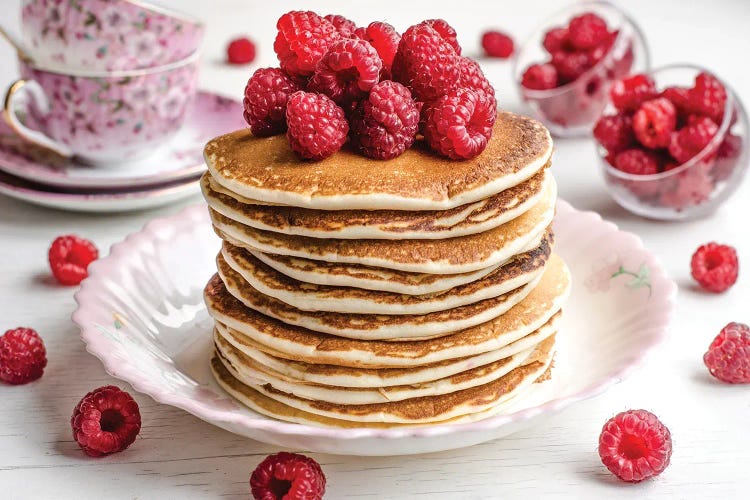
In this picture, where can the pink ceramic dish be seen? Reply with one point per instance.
(141, 313)
(107, 35)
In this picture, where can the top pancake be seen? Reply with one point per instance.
(266, 169)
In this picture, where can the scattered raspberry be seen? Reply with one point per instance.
(715, 267)
(105, 421)
(22, 356)
(344, 26)
(472, 76)
(637, 162)
(317, 127)
(557, 39)
(728, 356)
(654, 123)
(634, 445)
(241, 51)
(266, 95)
(385, 124)
(570, 65)
(347, 72)
(540, 77)
(288, 476)
(426, 63)
(459, 124)
(692, 138)
(587, 31)
(69, 258)
(614, 132)
(708, 97)
(303, 38)
(629, 93)
(384, 38)
(446, 31)
(497, 44)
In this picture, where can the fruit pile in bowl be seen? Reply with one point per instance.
(566, 67)
(673, 143)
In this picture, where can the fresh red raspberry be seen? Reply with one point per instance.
(288, 476)
(678, 96)
(597, 53)
(303, 38)
(472, 76)
(446, 31)
(22, 356)
(637, 161)
(728, 356)
(240, 51)
(266, 95)
(385, 39)
(570, 65)
(347, 72)
(459, 124)
(497, 44)
(69, 258)
(587, 31)
(385, 124)
(540, 77)
(317, 127)
(692, 138)
(107, 420)
(654, 123)
(708, 97)
(634, 445)
(344, 26)
(615, 132)
(629, 93)
(557, 39)
(426, 63)
(715, 267)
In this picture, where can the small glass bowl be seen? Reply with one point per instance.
(698, 186)
(572, 109)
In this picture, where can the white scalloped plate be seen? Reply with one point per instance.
(141, 313)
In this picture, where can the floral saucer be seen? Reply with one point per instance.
(181, 158)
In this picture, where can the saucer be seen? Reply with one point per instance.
(181, 158)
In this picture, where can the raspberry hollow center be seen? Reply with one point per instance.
(713, 260)
(633, 447)
(111, 420)
(279, 487)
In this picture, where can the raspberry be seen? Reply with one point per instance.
(637, 162)
(266, 94)
(472, 76)
(385, 124)
(629, 93)
(69, 258)
(678, 96)
(22, 356)
(728, 356)
(497, 44)
(344, 26)
(570, 65)
(654, 123)
(614, 132)
(347, 72)
(288, 476)
(459, 124)
(708, 97)
(384, 38)
(634, 445)
(715, 267)
(426, 63)
(105, 421)
(556, 39)
(446, 31)
(540, 77)
(302, 40)
(241, 51)
(587, 31)
(597, 53)
(692, 138)
(317, 126)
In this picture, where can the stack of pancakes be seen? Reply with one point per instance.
(360, 293)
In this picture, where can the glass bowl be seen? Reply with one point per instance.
(572, 109)
(698, 186)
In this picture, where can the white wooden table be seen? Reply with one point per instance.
(179, 456)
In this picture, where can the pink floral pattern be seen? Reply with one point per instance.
(605, 270)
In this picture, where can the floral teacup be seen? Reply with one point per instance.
(103, 118)
(106, 35)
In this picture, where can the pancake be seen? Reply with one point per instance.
(449, 256)
(265, 169)
(309, 297)
(372, 326)
(473, 218)
(250, 328)
(345, 376)
(427, 408)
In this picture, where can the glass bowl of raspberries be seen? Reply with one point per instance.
(673, 142)
(564, 70)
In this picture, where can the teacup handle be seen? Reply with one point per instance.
(33, 136)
